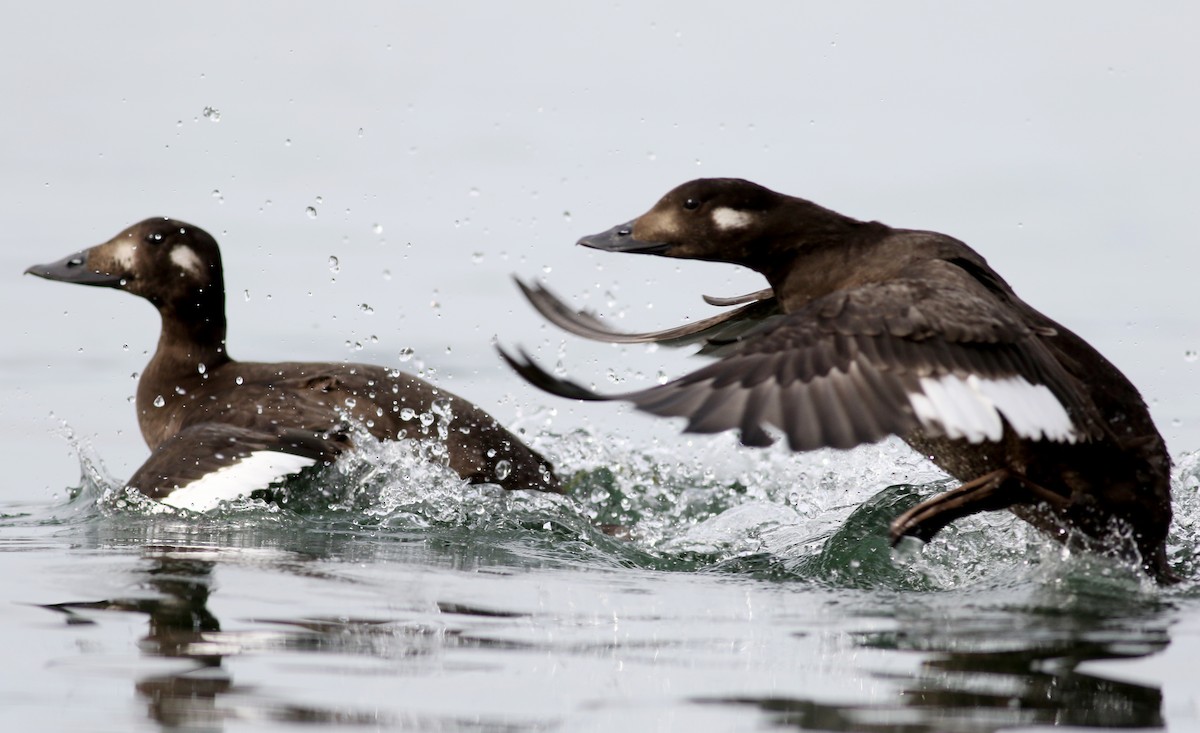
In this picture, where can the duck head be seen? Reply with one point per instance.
(721, 220)
(174, 265)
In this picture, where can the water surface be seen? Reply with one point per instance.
(661, 595)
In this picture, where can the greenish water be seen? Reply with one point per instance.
(382, 594)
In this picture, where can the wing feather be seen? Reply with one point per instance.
(873, 360)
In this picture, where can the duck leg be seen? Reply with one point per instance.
(929, 517)
(999, 489)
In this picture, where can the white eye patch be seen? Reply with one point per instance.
(726, 218)
(187, 259)
(123, 254)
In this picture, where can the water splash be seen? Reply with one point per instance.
(818, 517)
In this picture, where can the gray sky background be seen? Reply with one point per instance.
(447, 146)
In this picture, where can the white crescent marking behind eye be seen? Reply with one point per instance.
(726, 218)
(186, 258)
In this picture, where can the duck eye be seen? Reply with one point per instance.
(691, 204)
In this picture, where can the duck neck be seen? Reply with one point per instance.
(190, 346)
(186, 343)
(817, 263)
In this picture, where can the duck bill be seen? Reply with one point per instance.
(77, 268)
(620, 239)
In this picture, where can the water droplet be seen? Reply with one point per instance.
(406, 354)
(366, 309)
(212, 114)
(377, 228)
(246, 295)
(334, 266)
(217, 195)
(311, 211)
(320, 199)
(651, 157)
(201, 368)
(407, 413)
(360, 132)
(159, 401)
(473, 193)
(1191, 355)
(238, 380)
(287, 142)
(387, 274)
(503, 469)
(476, 257)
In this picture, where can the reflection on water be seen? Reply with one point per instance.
(204, 694)
(725, 605)
(974, 681)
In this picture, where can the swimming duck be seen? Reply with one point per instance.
(868, 331)
(218, 428)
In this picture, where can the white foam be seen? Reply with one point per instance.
(256, 471)
(971, 408)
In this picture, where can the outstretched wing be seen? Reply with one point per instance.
(716, 332)
(203, 465)
(863, 363)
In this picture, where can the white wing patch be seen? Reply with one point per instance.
(255, 471)
(726, 218)
(186, 258)
(971, 408)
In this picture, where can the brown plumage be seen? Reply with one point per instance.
(868, 331)
(200, 411)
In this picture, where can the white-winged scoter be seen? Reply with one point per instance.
(868, 331)
(219, 428)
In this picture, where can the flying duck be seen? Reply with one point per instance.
(868, 331)
(218, 428)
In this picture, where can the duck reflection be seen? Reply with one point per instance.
(175, 586)
(983, 678)
(179, 620)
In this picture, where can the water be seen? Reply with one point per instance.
(382, 593)
(686, 584)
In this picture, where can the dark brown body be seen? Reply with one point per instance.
(320, 398)
(201, 411)
(868, 331)
(1118, 483)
